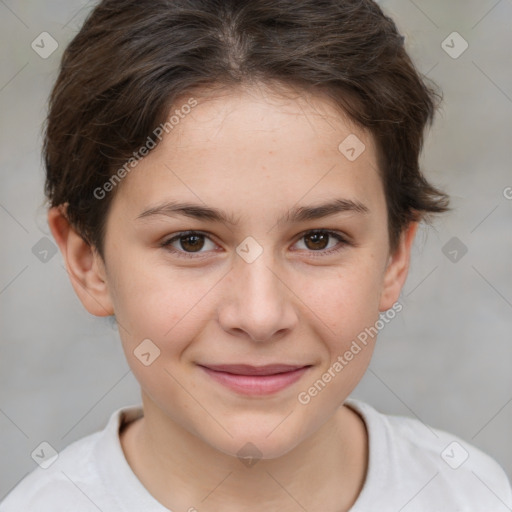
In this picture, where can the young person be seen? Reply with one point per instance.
(237, 181)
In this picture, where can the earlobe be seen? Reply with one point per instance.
(84, 265)
(397, 268)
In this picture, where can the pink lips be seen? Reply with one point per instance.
(253, 380)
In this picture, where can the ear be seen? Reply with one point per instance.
(397, 268)
(84, 265)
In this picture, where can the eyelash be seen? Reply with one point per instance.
(321, 253)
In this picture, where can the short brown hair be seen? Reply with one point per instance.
(122, 72)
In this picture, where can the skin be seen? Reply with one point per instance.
(255, 155)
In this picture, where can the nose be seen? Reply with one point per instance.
(258, 303)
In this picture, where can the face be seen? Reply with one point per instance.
(219, 252)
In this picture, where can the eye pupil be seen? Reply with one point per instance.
(193, 242)
(196, 245)
(317, 237)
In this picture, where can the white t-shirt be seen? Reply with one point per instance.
(412, 468)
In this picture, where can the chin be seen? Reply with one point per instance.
(249, 443)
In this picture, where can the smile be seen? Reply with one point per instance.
(250, 380)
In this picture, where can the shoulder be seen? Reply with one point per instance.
(73, 481)
(429, 466)
(57, 486)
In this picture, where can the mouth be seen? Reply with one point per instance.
(255, 380)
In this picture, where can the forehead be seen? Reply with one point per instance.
(253, 114)
(248, 147)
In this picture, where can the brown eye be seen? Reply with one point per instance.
(192, 243)
(321, 241)
(187, 244)
(317, 241)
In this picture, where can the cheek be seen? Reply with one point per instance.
(163, 304)
(345, 300)
(159, 317)
(348, 307)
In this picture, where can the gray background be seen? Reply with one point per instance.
(445, 359)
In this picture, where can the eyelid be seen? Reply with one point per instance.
(166, 244)
(343, 241)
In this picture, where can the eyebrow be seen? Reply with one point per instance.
(296, 214)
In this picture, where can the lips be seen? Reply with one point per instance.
(246, 379)
(245, 369)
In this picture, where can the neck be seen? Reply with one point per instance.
(184, 472)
